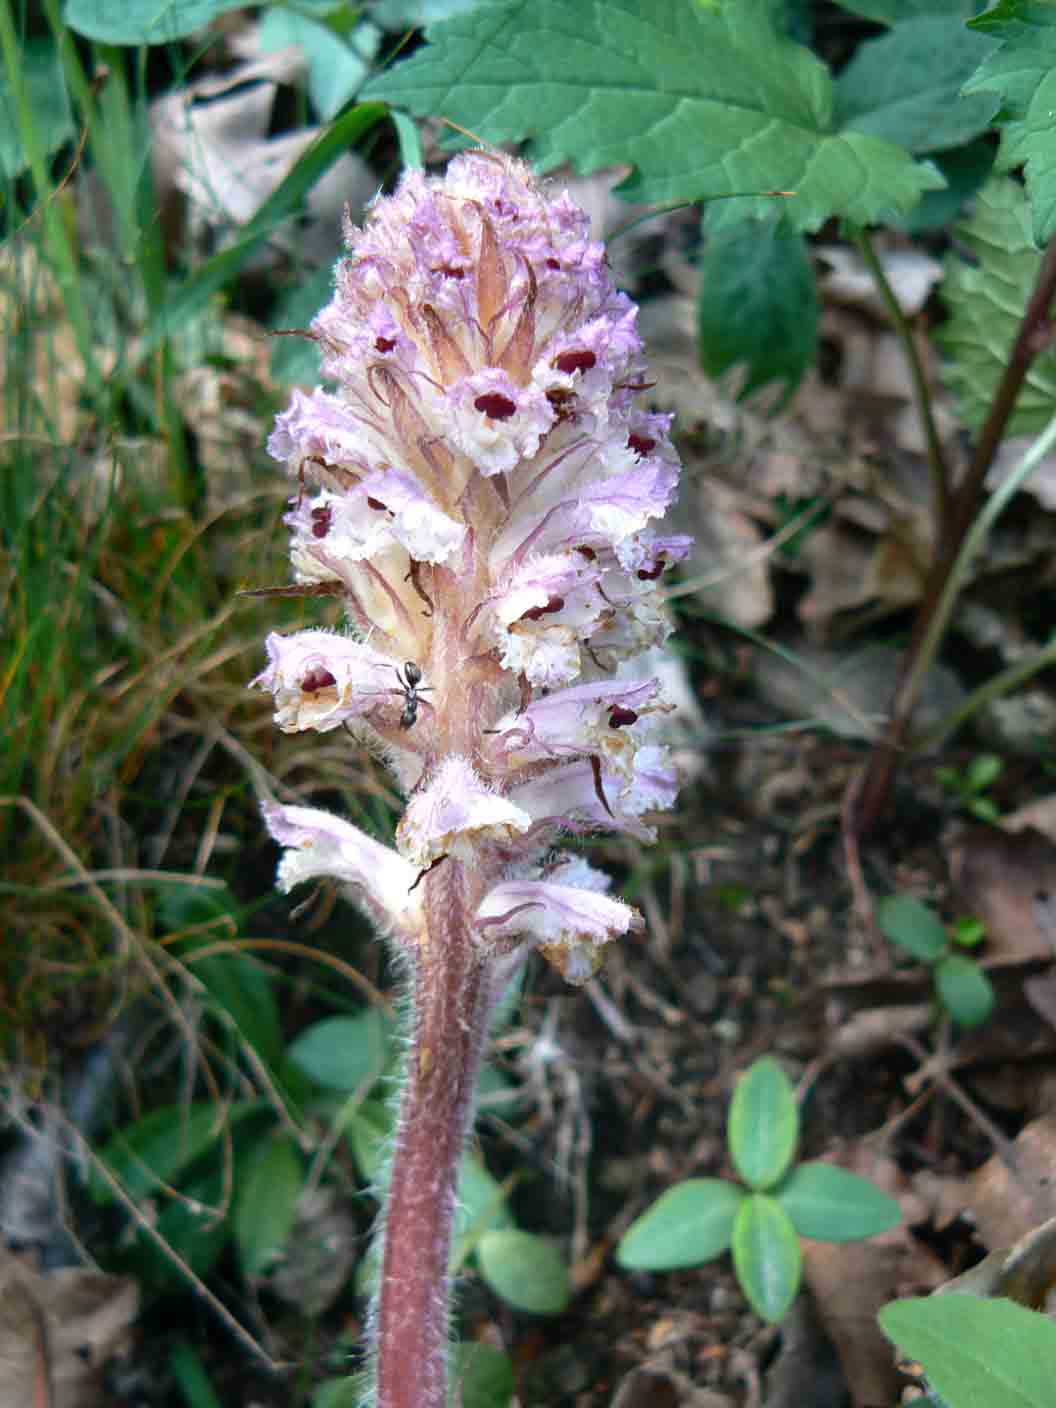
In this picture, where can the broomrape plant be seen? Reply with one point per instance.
(485, 490)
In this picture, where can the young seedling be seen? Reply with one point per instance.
(761, 1222)
(961, 986)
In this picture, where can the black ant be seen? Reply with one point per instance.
(409, 681)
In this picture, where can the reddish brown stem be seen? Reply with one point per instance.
(1034, 336)
(452, 999)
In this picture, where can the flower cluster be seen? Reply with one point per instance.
(480, 489)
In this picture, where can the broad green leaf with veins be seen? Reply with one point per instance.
(1023, 74)
(704, 102)
(986, 303)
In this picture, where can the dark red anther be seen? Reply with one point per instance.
(576, 361)
(495, 406)
(315, 679)
(449, 271)
(376, 504)
(619, 717)
(384, 344)
(588, 553)
(650, 574)
(534, 613)
(641, 444)
(553, 263)
(322, 518)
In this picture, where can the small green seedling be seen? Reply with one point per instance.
(961, 986)
(970, 785)
(699, 1219)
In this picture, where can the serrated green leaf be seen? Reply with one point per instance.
(763, 1124)
(689, 1224)
(48, 104)
(525, 1271)
(344, 1053)
(966, 170)
(705, 102)
(831, 1204)
(913, 926)
(481, 1376)
(267, 1203)
(986, 301)
(990, 1353)
(906, 85)
(964, 989)
(757, 304)
(143, 21)
(1021, 73)
(766, 1256)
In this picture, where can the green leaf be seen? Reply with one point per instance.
(968, 931)
(344, 1053)
(296, 359)
(368, 1129)
(152, 1151)
(898, 11)
(481, 1376)
(192, 1229)
(704, 101)
(977, 1352)
(689, 1224)
(913, 926)
(187, 1369)
(346, 1392)
(763, 1124)
(409, 14)
(766, 1256)
(337, 64)
(965, 170)
(964, 989)
(144, 21)
(757, 304)
(831, 1204)
(481, 1208)
(239, 988)
(267, 1203)
(1023, 75)
(48, 105)
(984, 770)
(525, 1271)
(986, 299)
(906, 85)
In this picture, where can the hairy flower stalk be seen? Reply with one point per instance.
(479, 490)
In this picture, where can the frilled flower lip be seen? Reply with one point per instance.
(570, 922)
(321, 846)
(385, 508)
(586, 796)
(320, 680)
(585, 718)
(455, 812)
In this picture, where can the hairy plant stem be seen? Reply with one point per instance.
(453, 987)
(1034, 336)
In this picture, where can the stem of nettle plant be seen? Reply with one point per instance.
(950, 561)
(453, 992)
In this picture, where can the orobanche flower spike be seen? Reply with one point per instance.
(482, 489)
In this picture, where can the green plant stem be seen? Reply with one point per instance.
(57, 237)
(940, 475)
(952, 537)
(994, 688)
